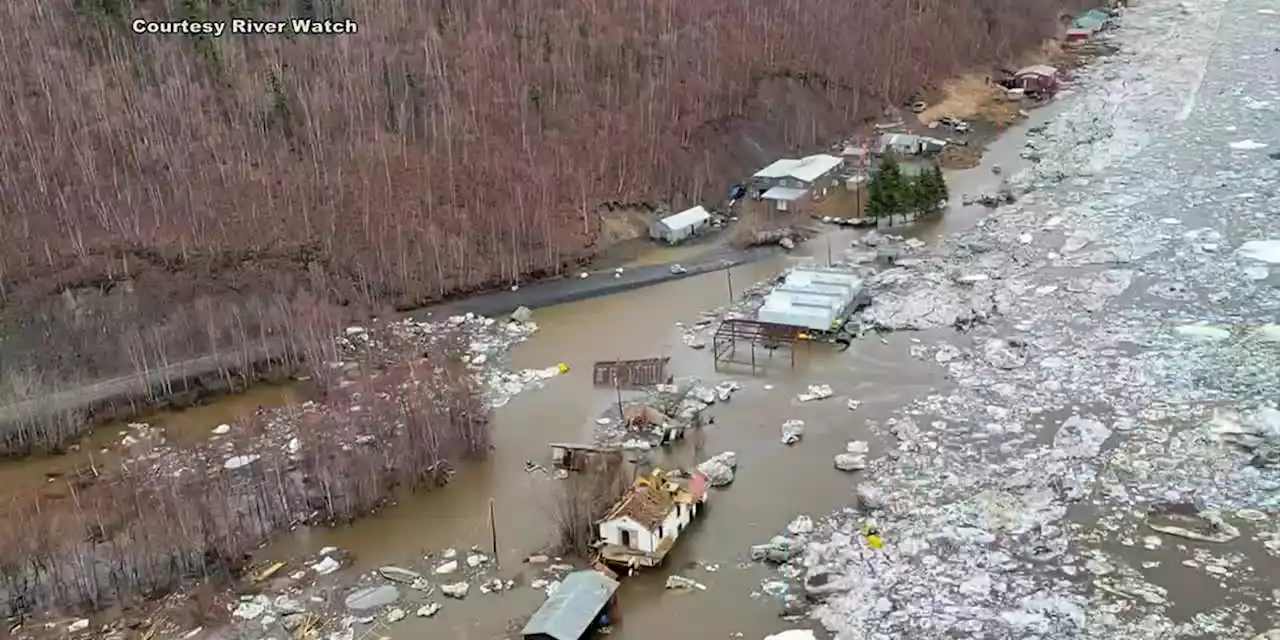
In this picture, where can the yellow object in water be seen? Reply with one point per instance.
(564, 368)
(802, 336)
(268, 572)
(875, 541)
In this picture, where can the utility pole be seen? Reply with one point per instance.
(728, 275)
(699, 439)
(617, 388)
(865, 178)
(493, 534)
(828, 250)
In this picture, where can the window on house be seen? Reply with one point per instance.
(660, 536)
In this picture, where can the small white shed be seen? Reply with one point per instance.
(811, 297)
(681, 226)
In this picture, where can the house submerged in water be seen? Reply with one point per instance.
(644, 525)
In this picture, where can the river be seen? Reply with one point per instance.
(775, 483)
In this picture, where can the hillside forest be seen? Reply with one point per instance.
(165, 197)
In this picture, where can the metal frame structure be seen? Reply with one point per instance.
(768, 335)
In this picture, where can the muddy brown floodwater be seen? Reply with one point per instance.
(104, 444)
(775, 483)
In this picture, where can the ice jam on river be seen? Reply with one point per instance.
(1106, 464)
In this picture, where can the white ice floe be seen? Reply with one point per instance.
(1121, 371)
(1247, 145)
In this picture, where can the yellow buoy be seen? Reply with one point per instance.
(564, 368)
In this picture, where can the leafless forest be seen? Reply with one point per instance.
(164, 197)
(582, 499)
(168, 517)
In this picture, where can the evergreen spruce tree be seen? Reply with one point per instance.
(916, 191)
(893, 187)
(938, 187)
(875, 205)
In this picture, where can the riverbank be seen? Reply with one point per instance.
(1098, 466)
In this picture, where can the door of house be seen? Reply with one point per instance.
(626, 537)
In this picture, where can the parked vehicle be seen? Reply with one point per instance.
(957, 125)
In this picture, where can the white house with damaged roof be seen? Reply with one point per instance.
(643, 526)
(789, 182)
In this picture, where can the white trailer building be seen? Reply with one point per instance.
(681, 226)
(811, 297)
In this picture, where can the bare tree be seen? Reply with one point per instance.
(581, 500)
(174, 190)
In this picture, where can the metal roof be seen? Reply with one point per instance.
(686, 218)
(811, 297)
(807, 169)
(784, 193)
(573, 606)
(1038, 70)
(1097, 15)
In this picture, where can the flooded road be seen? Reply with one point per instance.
(102, 446)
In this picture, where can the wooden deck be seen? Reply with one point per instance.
(584, 457)
(625, 556)
(630, 374)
